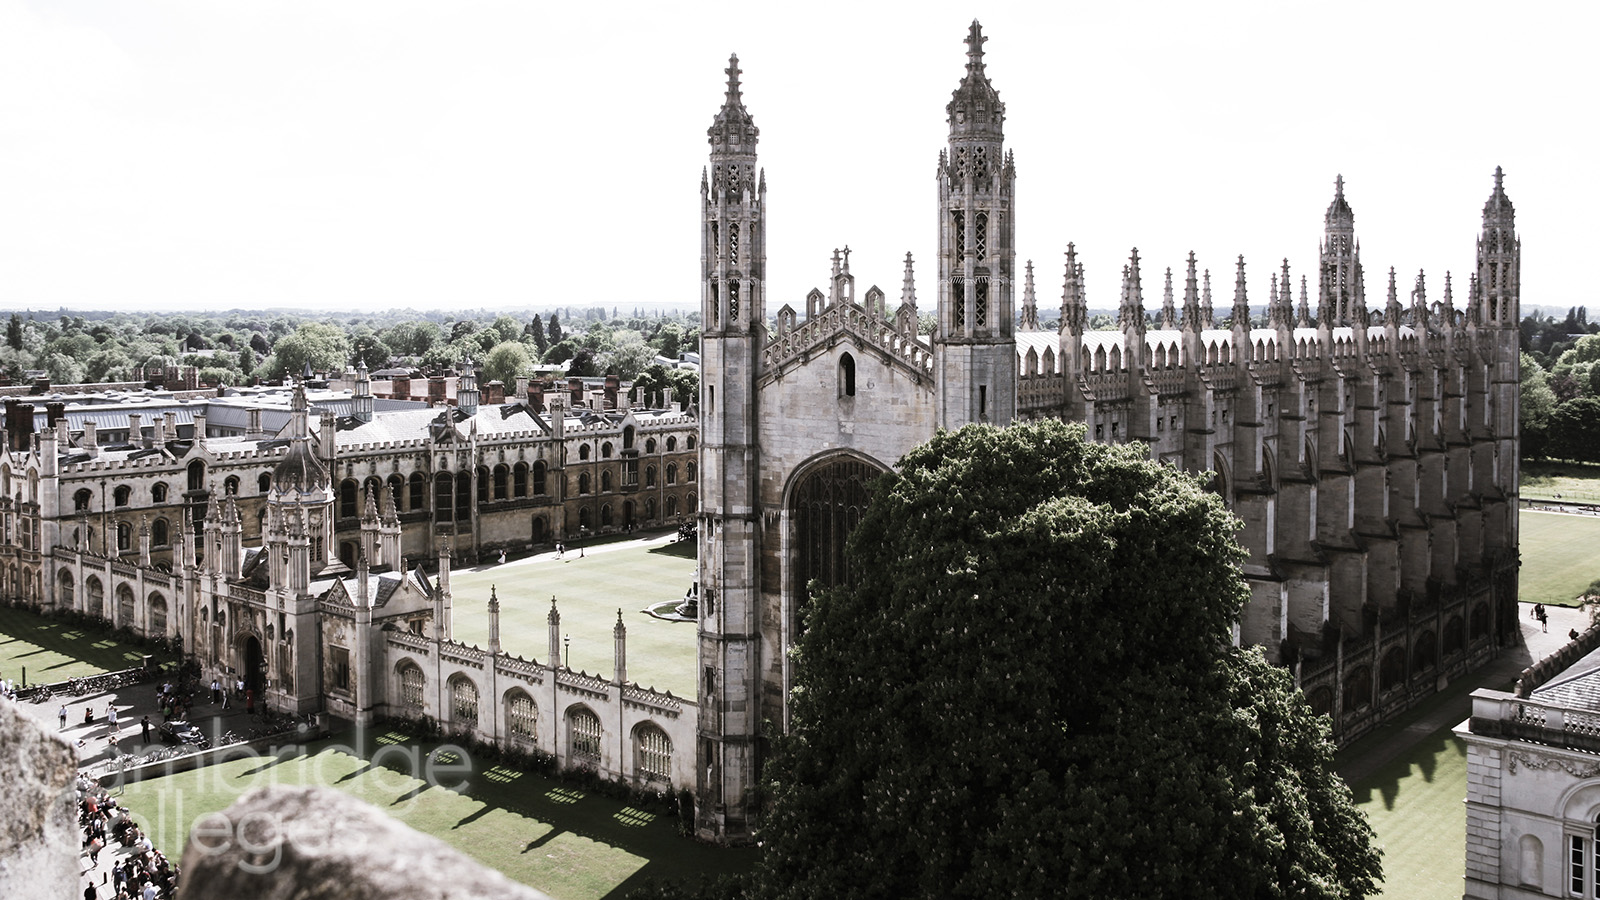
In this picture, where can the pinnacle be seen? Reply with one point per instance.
(975, 41)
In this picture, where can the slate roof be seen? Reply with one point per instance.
(1576, 688)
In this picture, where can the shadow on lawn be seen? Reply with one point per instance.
(680, 549)
(649, 833)
(69, 640)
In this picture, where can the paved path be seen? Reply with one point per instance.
(132, 703)
(1453, 705)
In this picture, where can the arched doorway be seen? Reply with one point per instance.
(252, 664)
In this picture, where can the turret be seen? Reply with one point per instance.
(733, 201)
(1341, 298)
(467, 388)
(1499, 274)
(361, 402)
(974, 343)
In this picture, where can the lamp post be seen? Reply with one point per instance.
(568, 642)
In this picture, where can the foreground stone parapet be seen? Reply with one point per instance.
(293, 843)
(39, 843)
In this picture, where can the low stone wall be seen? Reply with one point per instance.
(276, 843)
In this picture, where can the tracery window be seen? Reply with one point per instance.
(522, 720)
(654, 753)
(584, 727)
(828, 503)
(411, 685)
(464, 702)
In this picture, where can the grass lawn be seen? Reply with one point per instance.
(544, 833)
(53, 650)
(1415, 805)
(1558, 557)
(1544, 479)
(588, 591)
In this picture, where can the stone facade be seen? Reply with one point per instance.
(1371, 453)
(292, 559)
(1533, 781)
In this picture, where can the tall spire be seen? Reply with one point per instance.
(975, 110)
(1131, 312)
(1241, 300)
(1392, 312)
(974, 343)
(1499, 274)
(1191, 298)
(1340, 298)
(1282, 312)
(1030, 308)
(733, 130)
(1169, 313)
(908, 289)
(1303, 317)
(1208, 313)
(1073, 314)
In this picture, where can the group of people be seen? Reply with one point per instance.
(143, 874)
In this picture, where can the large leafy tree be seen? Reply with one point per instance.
(1029, 689)
(324, 347)
(505, 362)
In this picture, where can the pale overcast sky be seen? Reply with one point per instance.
(355, 155)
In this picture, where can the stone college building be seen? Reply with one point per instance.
(1370, 448)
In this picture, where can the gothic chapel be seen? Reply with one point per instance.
(1371, 452)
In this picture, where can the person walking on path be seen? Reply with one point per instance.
(144, 728)
(111, 715)
(63, 717)
(216, 690)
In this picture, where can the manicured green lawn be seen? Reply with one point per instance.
(53, 650)
(1558, 557)
(1415, 806)
(548, 834)
(1543, 480)
(589, 590)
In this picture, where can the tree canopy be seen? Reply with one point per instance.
(1029, 689)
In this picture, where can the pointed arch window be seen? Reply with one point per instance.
(980, 235)
(847, 375)
(733, 244)
(733, 300)
(959, 223)
(980, 303)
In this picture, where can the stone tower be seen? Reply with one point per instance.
(733, 315)
(975, 343)
(1496, 306)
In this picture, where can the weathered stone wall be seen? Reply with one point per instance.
(40, 841)
(310, 843)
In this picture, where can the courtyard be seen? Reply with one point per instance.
(49, 650)
(570, 842)
(590, 585)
